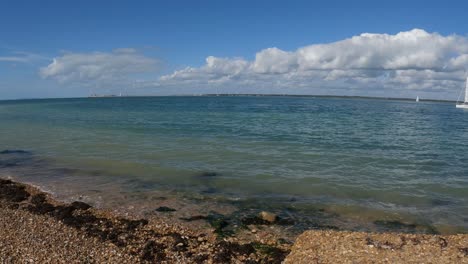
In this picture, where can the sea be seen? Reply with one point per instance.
(318, 162)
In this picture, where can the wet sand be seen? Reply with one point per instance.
(34, 227)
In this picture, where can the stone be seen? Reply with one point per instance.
(267, 216)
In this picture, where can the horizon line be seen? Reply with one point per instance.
(240, 94)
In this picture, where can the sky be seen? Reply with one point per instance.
(365, 48)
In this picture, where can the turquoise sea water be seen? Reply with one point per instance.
(361, 159)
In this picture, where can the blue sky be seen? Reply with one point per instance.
(156, 47)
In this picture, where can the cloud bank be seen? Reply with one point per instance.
(368, 64)
(98, 68)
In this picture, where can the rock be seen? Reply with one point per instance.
(208, 174)
(14, 151)
(165, 209)
(267, 216)
(194, 218)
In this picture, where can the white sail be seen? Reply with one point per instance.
(466, 91)
(417, 98)
(464, 105)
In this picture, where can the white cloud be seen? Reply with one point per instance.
(13, 59)
(21, 57)
(402, 64)
(97, 68)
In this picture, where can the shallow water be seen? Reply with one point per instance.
(346, 162)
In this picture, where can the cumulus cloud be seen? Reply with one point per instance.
(97, 68)
(400, 63)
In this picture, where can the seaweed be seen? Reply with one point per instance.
(227, 250)
(219, 223)
(153, 251)
(274, 254)
(13, 192)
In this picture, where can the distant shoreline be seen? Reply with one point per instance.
(243, 95)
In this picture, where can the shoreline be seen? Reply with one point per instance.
(35, 226)
(107, 236)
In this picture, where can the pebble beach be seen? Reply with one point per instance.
(35, 228)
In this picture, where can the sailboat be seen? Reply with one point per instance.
(465, 103)
(417, 99)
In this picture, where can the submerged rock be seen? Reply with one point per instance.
(209, 190)
(194, 218)
(14, 151)
(208, 174)
(267, 216)
(165, 209)
(254, 220)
